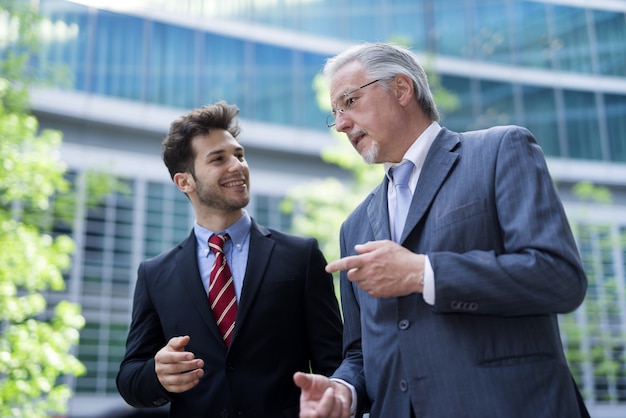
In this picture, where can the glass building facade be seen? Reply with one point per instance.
(556, 67)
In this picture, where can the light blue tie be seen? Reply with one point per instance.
(400, 177)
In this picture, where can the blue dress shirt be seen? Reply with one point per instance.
(236, 251)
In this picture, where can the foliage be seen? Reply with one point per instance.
(593, 335)
(33, 353)
(35, 341)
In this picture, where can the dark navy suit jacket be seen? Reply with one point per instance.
(288, 320)
(487, 214)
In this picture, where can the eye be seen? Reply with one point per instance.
(240, 157)
(215, 158)
(349, 102)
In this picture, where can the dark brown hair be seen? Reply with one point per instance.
(177, 153)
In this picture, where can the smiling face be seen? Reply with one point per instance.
(375, 118)
(219, 186)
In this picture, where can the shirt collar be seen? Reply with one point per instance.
(419, 149)
(237, 232)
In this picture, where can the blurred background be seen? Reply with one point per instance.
(131, 67)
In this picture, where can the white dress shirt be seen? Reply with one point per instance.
(417, 154)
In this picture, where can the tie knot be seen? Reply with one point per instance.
(216, 243)
(401, 173)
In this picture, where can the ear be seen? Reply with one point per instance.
(405, 91)
(184, 182)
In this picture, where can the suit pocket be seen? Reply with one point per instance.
(516, 360)
(461, 213)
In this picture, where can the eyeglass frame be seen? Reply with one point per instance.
(332, 115)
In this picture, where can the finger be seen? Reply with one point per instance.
(167, 356)
(353, 276)
(327, 406)
(165, 364)
(345, 406)
(367, 247)
(178, 367)
(346, 263)
(303, 380)
(372, 246)
(181, 382)
(312, 385)
(178, 343)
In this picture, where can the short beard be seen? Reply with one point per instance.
(370, 156)
(211, 199)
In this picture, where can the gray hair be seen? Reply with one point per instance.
(385, 61)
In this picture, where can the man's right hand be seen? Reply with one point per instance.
(178, 370)
(322, 397)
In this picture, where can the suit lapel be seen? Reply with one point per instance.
(377, 210)
(260, 249)
(188, 273)
(439, 161)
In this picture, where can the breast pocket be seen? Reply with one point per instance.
(462, 213)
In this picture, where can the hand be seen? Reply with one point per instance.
(178, 370)
(383, 269)
(321, 397)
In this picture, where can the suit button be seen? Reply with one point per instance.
(224, 414)
(159, 402)
(464, 306)
(404, 386)
(230, 367)
(404, 324)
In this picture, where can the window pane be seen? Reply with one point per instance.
(451, 31)
(583, 133)
(610, 30)
(616, 126)
(497, 104)
(222, 75)
(540, 118)
(117, 60)
(531, 35)
(462, 118)
(570, 41)
(403, 26)
(491, 29)
(172, 67)
(269, 98)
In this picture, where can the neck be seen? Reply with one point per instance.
(217, 222)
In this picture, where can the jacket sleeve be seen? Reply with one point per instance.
(323, 318)
(517, 255)
(136, 380)
(351, 369)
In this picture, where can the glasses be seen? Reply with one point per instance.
(348, 103)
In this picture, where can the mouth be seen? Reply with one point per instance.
(356, 138)
(234, 183)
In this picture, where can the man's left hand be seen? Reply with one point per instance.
(383, 269)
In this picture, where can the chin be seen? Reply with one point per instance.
(370, 155)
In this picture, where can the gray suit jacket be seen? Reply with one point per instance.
(486, 213)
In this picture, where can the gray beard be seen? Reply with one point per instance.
(370, 156)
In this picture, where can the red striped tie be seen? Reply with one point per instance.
(222, 289)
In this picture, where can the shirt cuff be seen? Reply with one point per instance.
(428, 293)
(353, 404)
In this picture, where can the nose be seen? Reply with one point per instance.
(342, 122)
(237, 164)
